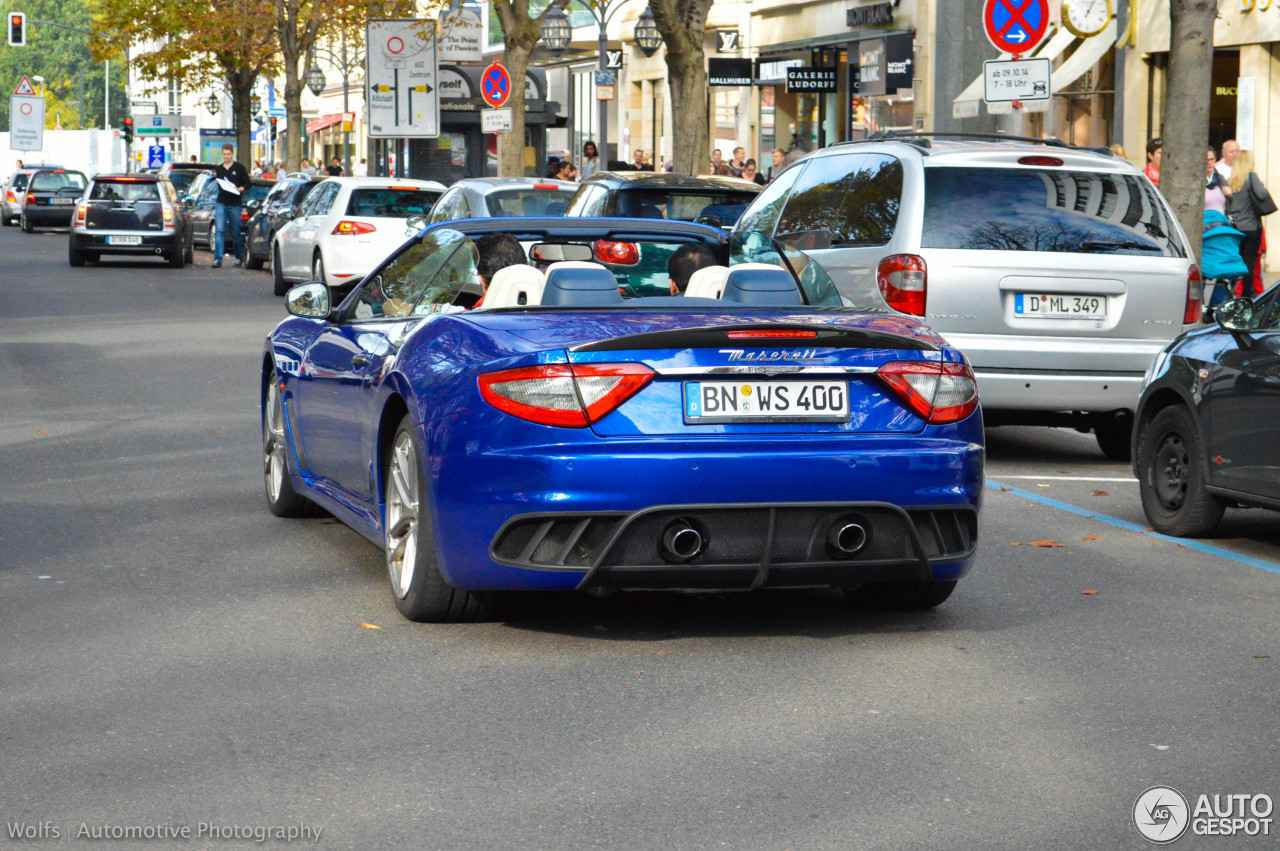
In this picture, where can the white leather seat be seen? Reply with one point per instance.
(708, 282)
(515, 286)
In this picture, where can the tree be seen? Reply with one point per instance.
(196, 43)
(683, 24)
(1186, 112)
(521, 31)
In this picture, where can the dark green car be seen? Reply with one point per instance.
(642, 270)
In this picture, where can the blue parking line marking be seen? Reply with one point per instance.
(1199, 546)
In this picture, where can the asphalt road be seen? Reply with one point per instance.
(172, 655)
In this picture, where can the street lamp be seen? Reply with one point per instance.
(648, 39)
(255, 104)
(213, 104)
(315, 80)
(556, 31)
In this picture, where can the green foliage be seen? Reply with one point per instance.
(62, 58)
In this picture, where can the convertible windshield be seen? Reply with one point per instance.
(424, 278)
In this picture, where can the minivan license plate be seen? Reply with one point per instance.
(124, 240)
(761, 400)
(1059, 306)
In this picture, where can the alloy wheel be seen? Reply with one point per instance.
(273, 443)
(402, 514)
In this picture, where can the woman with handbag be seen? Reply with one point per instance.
(1248, 203)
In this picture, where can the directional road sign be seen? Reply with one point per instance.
(401, 78)
(158, 125)
(495, 85)
(1015, 26)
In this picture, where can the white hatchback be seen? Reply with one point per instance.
(347, 226)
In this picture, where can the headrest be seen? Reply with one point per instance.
(760, 283)
(514, 286)
(707, 282)
(579, 284)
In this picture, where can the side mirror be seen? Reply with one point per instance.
(253, 204)
(413, 224)
(310, 301)
(1236, 315)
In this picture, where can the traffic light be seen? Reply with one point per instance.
(126, 126)
(273, 127)
(17, 29)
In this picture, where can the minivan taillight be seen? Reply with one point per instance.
(938, 392)
(1195, 306)
(573, 396)
(903, 282)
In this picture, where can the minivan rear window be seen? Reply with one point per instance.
(124, 190)
(391, 202)
(1000, 209)
(52, 181)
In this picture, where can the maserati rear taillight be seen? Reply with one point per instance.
(938, 392)
(903, 283)
(573, 396)
(617, 253)
(353, 227)
(1194, 306)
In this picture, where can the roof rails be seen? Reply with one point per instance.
(921, 140)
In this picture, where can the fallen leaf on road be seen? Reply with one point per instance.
(1262, 657)
(1090, 591)
(1047, 542)
(370, 626)
(1251, 597)
(1091, 538)
(1144, 531)
(41, 431)
(663, 651)
(1003, 488)
(1042, 486)
(1099, 493)
(217, 431)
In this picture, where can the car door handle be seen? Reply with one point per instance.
(359, 360)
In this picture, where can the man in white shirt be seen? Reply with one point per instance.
(1229, 150)
(361, 168)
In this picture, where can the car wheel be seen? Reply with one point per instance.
(74, 255)
(8, 222)
(252, 261)
(281, 286)
(26, 225)
(177, 257)
(189, 252)
(1172, 476)
(420, 592)
(904, 595)
(1114, 436)
(317, 269)
(282, 500)
(92, 256)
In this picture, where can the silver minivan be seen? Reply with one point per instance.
(1060, 272)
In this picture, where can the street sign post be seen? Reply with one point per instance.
(1015, 26)
(26, 118)
(1008, 80)
(495, 85)
(606, 85)
(495, 120)
(401, 79)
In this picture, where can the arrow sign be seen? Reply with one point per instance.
(495, 85)
(1015, 26)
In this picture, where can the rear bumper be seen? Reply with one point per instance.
(60, 216)
(151, 241)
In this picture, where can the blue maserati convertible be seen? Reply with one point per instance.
(536, 430)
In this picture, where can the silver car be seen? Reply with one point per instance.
(15, 193)
(481, 197)
(1060, 272)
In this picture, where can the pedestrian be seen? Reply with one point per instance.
(1152, 169)
(1215, 186)
(641, 162)
(1230, 150)
(553, 166)
(20, 165)
(750, 172)
(361, 168)
(774, 170)
(590, 159)
(193, 159)
(739, 161)
(1118, 150)
(233, 180)
(718, 165)
(268, 171)
(1248, 203)
(308, 169)
(334, 169)
(564, 170)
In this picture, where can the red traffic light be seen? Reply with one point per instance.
(18, 29)
(128, 122)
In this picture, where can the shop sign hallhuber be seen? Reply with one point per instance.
(729, 72)
(811, 80)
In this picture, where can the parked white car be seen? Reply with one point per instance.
(346, 227)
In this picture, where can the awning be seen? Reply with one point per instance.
(324, 121)
(966, 105)
(1085, 57)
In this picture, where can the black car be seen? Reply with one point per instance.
(275, 211)
(1205, 438)
(136, 214)
(51, 198)
(709, 199)
(183, 175)
(202, 211)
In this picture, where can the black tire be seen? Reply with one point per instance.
(26, 225)
(1115, 437)
(177, 257)
(92, 256)
(317, 269)
(418, 588)
(282, 499)
(1172, 472)
(905, 595)
(74, 255)
(279, 285)
(8, 222)
(188, 251)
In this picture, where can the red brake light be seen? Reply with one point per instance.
(80, 213)
(550, 394)
(765, 334)
(545, 186)
(244, 214)
(353, 227)
(617, 253)
(938, 392)
(408, 188)
(9, 197)
(1194, 306)
(903, 282)
(1039, 159)
(31, 199)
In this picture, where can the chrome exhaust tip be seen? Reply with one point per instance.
(681, 542)
(846, 538)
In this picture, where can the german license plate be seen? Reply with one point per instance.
(124, 240)
(763, 400)
(1059, 306)
(62, 200)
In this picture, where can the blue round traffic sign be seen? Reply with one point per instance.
(1015, 26)
(495, 85)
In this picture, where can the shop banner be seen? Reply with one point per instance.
(811, 80)
(729, 72)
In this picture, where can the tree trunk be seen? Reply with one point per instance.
(240, 84)
(297, 29)
(683, 25)
(1186, 118)
(520, 36)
